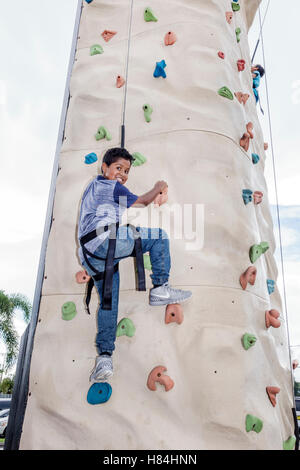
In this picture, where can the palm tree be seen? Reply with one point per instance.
(9, 304)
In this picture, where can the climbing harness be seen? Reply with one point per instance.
(110, 267)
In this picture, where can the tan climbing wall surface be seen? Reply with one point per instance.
(192, 142)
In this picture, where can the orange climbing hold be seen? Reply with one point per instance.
(242, 97)
(120, 81)
(272, 392)
(82, 277)
(272, 318)
(257, 197)
(161, 198)
(241, 65)
(170, 38)
(245, 140)
(174, 314)
(107, 35)
(266, 146)
(248, 276)
(221, 55)
(229, 16)
(157, 375)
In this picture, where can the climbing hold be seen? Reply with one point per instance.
(248, 341)
(149, 15)
(266, 146)
(289, 444)
(147, 112)
(221, 55)
(159, 69)
(247, 195)
(257, 250)
(253, 424)
(224, 91)
(82, 277)
(120, 81)
(173, 314)
(96, 49)
(229, 16)
(99, 393)
(271, 318)
(255, 158)
(170, 38)
(270, 286)
(242, 97)
(107, 35)
(88, 1)
(241, 65)
(125, 327)
(147, 262)
(157, 375)
(264, 246)
(237, 33)
(102, 133)
(139, 159)
(161, 198)
(248, 276)
(68, 311)
(245, 139)
(235, 6)
(257, 197)
(90, 158)
(272, 392)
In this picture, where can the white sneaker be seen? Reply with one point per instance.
(165, 294)
(103, 369)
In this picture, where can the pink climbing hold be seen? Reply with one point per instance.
(248, 276)
(82, 277)
(161, 198)
(242, 97)
(221, 55)
(257, 197)
(241, 65)
(157, 375)
(272, 392)
(174, 314)
(245, 140)
(120, 81)
(170, 38)
(229, 16)
(107, 35)
(271, 318)
(266, 146)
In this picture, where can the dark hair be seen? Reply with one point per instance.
(112, 155)
(260, 69)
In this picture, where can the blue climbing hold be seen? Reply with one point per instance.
(270, 285)
(90, 158)
(90, 1)
(247, 195)
(99, 393)
(255, 158)
(159, 69)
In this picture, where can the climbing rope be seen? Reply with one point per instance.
(260, 32)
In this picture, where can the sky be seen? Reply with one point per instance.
(35, 43)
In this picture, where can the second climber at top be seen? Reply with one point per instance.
(257, 73)
(102, 205)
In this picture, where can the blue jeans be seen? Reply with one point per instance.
(156, 242)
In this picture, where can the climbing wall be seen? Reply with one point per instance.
(189, 63)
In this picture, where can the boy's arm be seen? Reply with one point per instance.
(147, 198)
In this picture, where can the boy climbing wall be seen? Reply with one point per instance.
(103, 203)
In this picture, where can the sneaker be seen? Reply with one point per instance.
(165, 294)
(103, 369)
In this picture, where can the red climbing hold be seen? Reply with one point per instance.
(248, 276)
(242, 97)
(161, 198)
(82, 277)
(120, 81)
(272, 318)
(221, 55)
(170, 38)
(173, 314)
(157, 375)
(272, 392)
(257, 197)
(229, 16)
(266, 146)
(241, 65)
(245, 140)
(107, 35)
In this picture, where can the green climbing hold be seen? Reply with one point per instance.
(102, 133)
(264, 246)
(253, 424)
(96, 49)
(224, 91)
(248, 341)
(139, 159)
(147, 112)
(68, 311)
(125, 327)
(289, 444)
(149, 15)
(235, 6)
(257, 250)
(147, 262)
(237, 33)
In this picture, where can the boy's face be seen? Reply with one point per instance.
(118, 170)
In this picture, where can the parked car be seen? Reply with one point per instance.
(4, 414)
(5, 403)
